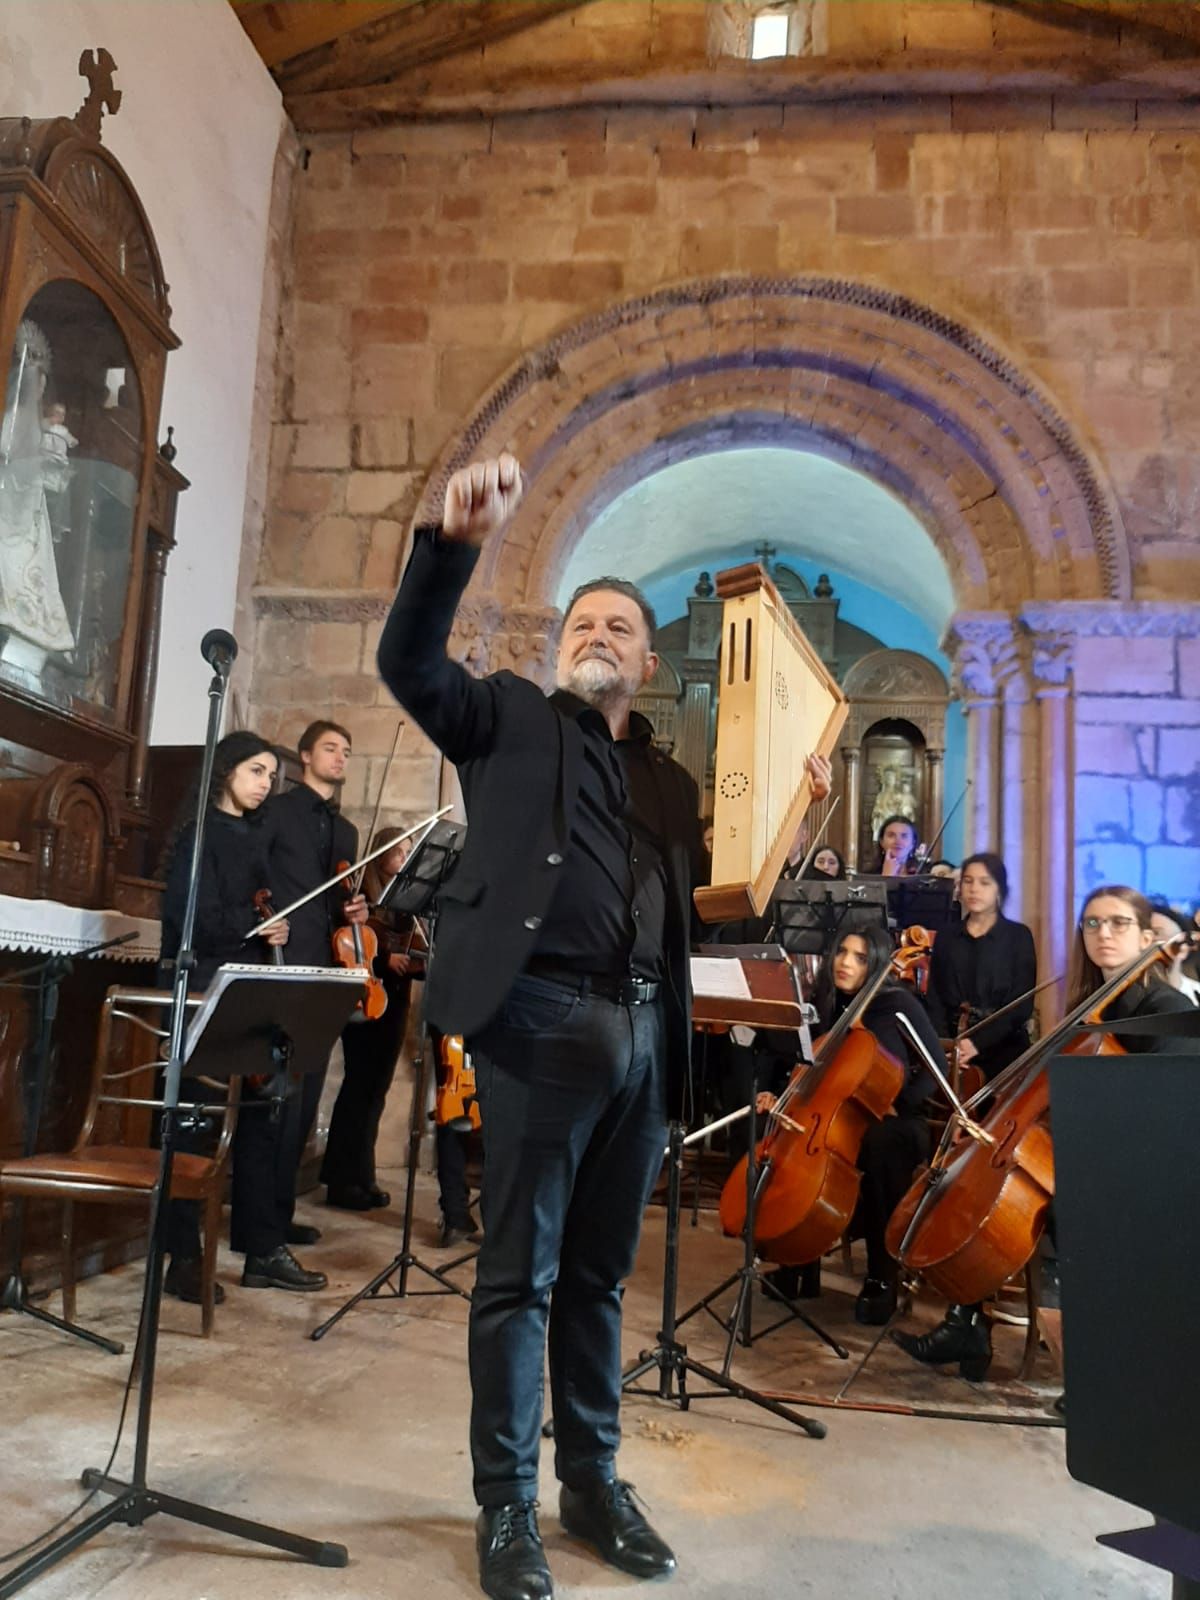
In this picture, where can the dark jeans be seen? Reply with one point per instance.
(890, 1153)
(571, 1090)
(266, 1152)
(369, 1052)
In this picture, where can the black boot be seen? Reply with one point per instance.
(512, 1562)
(185, 1280)
(876, 1302)
(965, 1336)
(280, 1270)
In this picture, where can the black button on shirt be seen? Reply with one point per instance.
(608, 913)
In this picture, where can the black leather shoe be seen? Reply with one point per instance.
(607, 1517)
(301, 1233)
(280, 1270)
(876, 1302)
(965, 1336)
(378, 1197)
(185, 1280)
(351, 1198)
(512, 1562)
(453, 1233)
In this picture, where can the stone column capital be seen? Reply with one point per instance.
(985, 653)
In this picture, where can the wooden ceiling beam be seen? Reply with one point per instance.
(414, 35)
(789, 81)
(281, 29)
(1125, 25)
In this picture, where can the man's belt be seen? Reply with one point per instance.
(622, 991)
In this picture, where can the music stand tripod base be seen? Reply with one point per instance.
(669, 1357)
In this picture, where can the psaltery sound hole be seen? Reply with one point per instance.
(781, 691)
(734, 785)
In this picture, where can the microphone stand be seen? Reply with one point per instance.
(135, 1501)
(14, 1292)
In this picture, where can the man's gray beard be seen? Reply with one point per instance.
(598, 683)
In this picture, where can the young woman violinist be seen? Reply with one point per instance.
(233, 870)
(898, 840)
(893, 1148)
(979, 966)
(371, 1049)
(827, 863)
(1115, 927)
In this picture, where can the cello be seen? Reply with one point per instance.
(975, 1216)
(812, 1142)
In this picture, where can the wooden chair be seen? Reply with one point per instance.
(114, 1161)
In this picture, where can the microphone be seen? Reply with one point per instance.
(219, 649)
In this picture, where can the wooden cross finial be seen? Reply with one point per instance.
(764, 552)
(97, 66)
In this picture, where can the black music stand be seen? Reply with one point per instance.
(252, 1020)
(809, 915)
(414, 891)
(921, 901)
(47, 976)
(1127, 1217)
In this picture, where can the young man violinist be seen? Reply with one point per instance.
(305, 837)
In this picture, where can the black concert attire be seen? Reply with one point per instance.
(893, 1148)
(985, 973)
(370, 1050)
(562, 959)
(1151, 1000)
(306, 837)
(233, 868)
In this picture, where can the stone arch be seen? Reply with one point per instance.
(873, 379)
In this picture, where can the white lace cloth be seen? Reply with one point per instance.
(58, 929)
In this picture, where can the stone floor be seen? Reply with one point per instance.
(361, 1438)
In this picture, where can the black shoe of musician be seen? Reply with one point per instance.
(351, 1198)
(876, 1302)
(301, 1233)
(379, 1198)
(461, 1231)
(280, 1270)
(965, 1336)
(185, 1280)
(512, 1562)
(606, 1515)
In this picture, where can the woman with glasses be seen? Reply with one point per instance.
(1114, 928)
(979, 967)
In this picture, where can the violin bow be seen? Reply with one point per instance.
(362, 871)
(426, 823)
(1011, 1005)
(816, 844)
(946, 821)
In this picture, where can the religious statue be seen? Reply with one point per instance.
(32, 458)
(895, 798)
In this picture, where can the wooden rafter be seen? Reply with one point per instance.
(412, 35)
(282, 29)
(1172, 32)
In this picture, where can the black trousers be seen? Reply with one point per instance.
(454, 1194)
(183, 1216)
(890, 1153)
(266, 1152)
(369, 1054)
(571, 1090)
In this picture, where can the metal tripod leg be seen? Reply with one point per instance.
(15, 1297)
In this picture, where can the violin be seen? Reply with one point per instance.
(912, 957)
(262, 904)
(815, 1131)
(975, 1216)
(356, 945)
(455, 1105)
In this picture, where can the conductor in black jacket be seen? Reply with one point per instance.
(562, 957)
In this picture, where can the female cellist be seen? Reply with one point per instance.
(983, 963)
(233, 870)
(1115, 927)
(370, 1048)
(893, 1147)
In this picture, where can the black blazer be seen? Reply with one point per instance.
(519, 761)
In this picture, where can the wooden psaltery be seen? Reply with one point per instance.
(777, 705)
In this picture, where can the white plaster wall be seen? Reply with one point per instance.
(197, 132)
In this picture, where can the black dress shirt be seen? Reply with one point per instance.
(1152, 1000)
(892, 1001)
(986, 974)
(306, 837)
(233, 868)
(608, 913)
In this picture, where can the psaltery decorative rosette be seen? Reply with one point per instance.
(777, 705)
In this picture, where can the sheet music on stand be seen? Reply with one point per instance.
(297, 1011)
